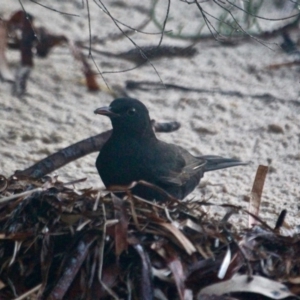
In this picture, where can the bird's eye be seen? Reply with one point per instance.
(131, 111)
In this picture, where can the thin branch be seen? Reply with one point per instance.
(130, 39)
(55, 10)
(90, 29)
(259, 17)
(124, 71)
(240, 27)
(164, 24)
(207, 22)
(99, 71)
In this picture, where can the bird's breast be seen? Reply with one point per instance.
(122, 161)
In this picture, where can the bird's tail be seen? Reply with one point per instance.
(218, 162)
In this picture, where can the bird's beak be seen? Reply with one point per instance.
(106, 111)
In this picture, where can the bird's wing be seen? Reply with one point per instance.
(181, 168)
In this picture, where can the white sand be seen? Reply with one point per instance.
(58, 111)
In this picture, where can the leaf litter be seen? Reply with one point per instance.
(57, 242)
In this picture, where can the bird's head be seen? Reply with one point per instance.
(128, 116)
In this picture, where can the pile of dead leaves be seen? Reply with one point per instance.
(57, 242)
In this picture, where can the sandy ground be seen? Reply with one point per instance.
(232, 119)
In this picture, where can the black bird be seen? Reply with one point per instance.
(134, 153)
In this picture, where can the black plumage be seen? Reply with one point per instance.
(134, 153)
